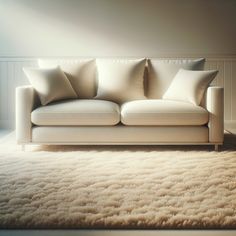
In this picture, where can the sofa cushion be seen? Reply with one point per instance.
(189, 86)
(77, 112)
(162, 112)
(50, 84)
(80, 72)
(162, 71)
(120, 80)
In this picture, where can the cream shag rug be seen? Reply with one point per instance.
(117, 187)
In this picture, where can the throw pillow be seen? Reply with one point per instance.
(80, 72)
(50, 84)
(120, 80)
(162, 71)
(189, 86)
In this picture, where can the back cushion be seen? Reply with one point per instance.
(120, 80)
(81, 74)
(161, 73)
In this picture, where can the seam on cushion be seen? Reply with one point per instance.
(164, 119)
(195, 123)
(74, 113)
(170, 121)
(165, 124)
(164, 113)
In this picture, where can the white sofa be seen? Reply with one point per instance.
(139, 122)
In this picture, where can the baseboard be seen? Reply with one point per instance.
(7, 124)
(230, 124)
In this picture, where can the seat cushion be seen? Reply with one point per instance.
(162, 112)
(77, 112)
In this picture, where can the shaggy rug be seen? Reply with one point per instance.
(117, 187)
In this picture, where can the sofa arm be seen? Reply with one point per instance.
(26, 101)
(215, 107)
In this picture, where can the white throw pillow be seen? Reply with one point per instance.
(162, 71)
(50, 84)
(80, 72)
(189, 86)
(120, 80)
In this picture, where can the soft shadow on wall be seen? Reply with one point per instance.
(117, 28)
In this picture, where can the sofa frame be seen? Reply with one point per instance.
(27, 100)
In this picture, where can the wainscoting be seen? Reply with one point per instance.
(11, 76)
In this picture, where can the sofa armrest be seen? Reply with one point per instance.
(215, 106)
(26, 101)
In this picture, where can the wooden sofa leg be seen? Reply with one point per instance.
(216, 147)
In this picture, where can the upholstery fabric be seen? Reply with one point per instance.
(120, 80)
(215, 106)
(162, 112)
(161, 73)
(189, 86)
(50, 84)
(81, 74)
(120, 134)
(26, 100)
(77, 112)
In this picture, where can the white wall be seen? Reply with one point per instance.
(107, 28)
(117, 27)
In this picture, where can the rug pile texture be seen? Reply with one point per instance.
(117, 186)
